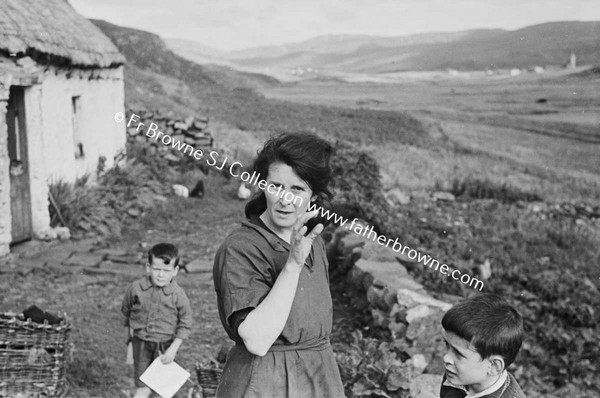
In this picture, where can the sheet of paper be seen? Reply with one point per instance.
(165, 380)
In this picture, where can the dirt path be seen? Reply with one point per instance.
(86, 281)
(65, 278)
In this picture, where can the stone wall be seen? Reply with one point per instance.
(193, 131)
(396, 302)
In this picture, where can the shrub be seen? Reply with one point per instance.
(475, 188)
(125, 190)
(371, 368)
(81, 208)
(358, 187)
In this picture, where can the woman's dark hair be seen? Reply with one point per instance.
(489, 323)
(307, 154)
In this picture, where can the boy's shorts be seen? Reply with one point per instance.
(144, 353)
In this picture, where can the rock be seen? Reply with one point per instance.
(170, 157)
(198, 266)
(398, 329)
(112, 252)
(376, 252)
(84, 259)
(125, 258)
(538, 207)
(485, 269)
(410, 284)
(181, 190)
(425, 386)
(180, 126)
(419, 362)
(133, 212)
(179, 138)
(390, 272)
(26, 62)
(63, 233)
(243, 192)
(587, 282)
(110, 267)
(425, 328)
(397, 197)
(200, 125)
(46, 234)
(410, 299)
(443, 196)
(417, 312)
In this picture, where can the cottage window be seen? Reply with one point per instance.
(76, 106)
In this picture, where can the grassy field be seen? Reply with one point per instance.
(429, 135)
(538, 132)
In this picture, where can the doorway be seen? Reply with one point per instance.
(20, 195)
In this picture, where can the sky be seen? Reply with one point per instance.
(239, 24)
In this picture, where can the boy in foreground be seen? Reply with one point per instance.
(483, 336)
(157, 313)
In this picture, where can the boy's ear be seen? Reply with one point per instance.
(496, 365)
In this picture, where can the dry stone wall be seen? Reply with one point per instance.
(192, 131)
(396, 302)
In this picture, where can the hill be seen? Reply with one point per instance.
(544, 44)
(157, 77)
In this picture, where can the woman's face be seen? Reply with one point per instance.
(288, 197)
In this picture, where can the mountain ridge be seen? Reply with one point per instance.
(545, 44)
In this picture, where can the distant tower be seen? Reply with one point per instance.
(573, 61)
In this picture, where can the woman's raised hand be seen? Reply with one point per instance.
(300, 244)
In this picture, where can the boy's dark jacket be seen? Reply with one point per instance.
(510, 389)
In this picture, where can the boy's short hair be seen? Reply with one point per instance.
(166, 252)
(489, 323)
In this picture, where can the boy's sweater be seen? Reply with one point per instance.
(510, 389)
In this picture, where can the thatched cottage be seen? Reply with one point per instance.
(61, 84)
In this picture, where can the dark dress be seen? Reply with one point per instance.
(301, 362)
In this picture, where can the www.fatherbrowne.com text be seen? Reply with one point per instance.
(235, 168)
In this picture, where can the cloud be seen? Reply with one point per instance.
(236, 24)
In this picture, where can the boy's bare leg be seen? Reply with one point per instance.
(142, 392)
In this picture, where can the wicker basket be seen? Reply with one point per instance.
(33, 357)
(208, 378)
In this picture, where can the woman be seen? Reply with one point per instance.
(272, 283)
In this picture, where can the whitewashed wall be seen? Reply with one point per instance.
(5, 219)
(51, 147)
(101, 94)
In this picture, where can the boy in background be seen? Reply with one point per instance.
(483, 336)
(157, 313)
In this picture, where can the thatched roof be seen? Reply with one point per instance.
(52, 31)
